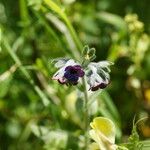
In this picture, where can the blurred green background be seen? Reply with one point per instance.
(38, 112)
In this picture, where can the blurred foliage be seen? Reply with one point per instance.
(38, 112)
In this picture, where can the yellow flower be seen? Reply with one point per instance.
(103, 133)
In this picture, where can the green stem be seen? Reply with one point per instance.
(24, 15)
(145, 144)
(61, 13)
(86, 113)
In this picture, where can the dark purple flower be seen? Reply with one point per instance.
(69, 74)
(72, 73)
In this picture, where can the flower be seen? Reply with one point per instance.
(69, 72)
(98, 75)
(103, 133)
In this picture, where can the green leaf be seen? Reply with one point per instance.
(4, 86)
(110, 105)
(79, 107)
(113, 19)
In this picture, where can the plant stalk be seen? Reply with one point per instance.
(53, 6)
(86, 113)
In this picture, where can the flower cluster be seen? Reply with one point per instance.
(70, 72)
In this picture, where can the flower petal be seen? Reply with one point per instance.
(69, 72)
(104, 64)
(98, 75)
(81, 73)
(59, 74)
(60, 62)
(105, 126)
(70, 62)
(93, 146)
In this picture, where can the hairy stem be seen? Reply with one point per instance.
(86, 113)
(53, 6)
